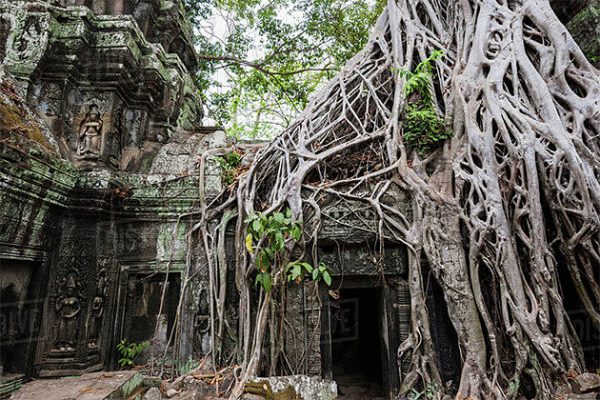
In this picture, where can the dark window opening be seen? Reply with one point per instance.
(356, 362)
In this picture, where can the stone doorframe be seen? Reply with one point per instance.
(40, 259)
(118, 324)
(392, 331)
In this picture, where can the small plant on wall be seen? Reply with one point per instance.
(229, 164)
(130, 351)
(423, 129)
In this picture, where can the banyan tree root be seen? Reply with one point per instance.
(512, 198)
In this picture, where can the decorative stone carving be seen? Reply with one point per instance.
(90, 136)
(4, 31)
(97, 313)
(68, 309)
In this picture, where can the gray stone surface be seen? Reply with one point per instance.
(107, 84)
(305, 387)
(588, 382)
(153, 394)
(94, 386)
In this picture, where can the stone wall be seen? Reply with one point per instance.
(101, 128)
(110, 95)
(582, 18)
(88, 234)
(585, 28)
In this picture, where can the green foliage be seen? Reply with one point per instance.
(266, 239)
(593, 58)
(261, 60)
(185, 367)
(130, 351)
(322, 272)
(419, 80)
(229, 164)
(423, 128)
(430, 392)
(297, 270)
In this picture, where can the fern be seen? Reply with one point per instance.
(423, 129)
(130, 351)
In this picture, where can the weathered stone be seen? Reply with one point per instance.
(588, 382)
(153, 394)
(248, 396)
(77, 70)
(302, 386)
(191, 395)
(171, 392)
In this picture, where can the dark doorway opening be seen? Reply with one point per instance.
(356, 336)
(20, 312)
(149, 311)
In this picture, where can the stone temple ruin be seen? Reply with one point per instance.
(101, 183)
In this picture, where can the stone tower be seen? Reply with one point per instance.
(101, 130)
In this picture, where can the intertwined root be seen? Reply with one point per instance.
(514, 196)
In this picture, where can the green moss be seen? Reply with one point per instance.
(585, 28)
(14, 120)
(263, 388)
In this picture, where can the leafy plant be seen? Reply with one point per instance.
(266, 241)
(430, 392)
(130, 351)
(229, 163)
(322, 272)
(185, 367)
(423, 128)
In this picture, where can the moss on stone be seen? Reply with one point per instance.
(585, 28)
(14, 120)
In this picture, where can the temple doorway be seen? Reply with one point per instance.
(148, 308)
(357, 336)
(20, 312)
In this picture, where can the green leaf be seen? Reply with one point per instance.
(263, 261)
(296, 271)
(296, 232)
(315, 274)
(249, 243)
(257, 227)
(266, 282)
(307, 267)
(279, 241)
(327, 278)
(278, 217)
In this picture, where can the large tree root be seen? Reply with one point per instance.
(512, 193)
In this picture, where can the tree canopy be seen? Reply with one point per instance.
(260, 61)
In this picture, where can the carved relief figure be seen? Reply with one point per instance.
(97, 310)
(68, 307)
(89, 138)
